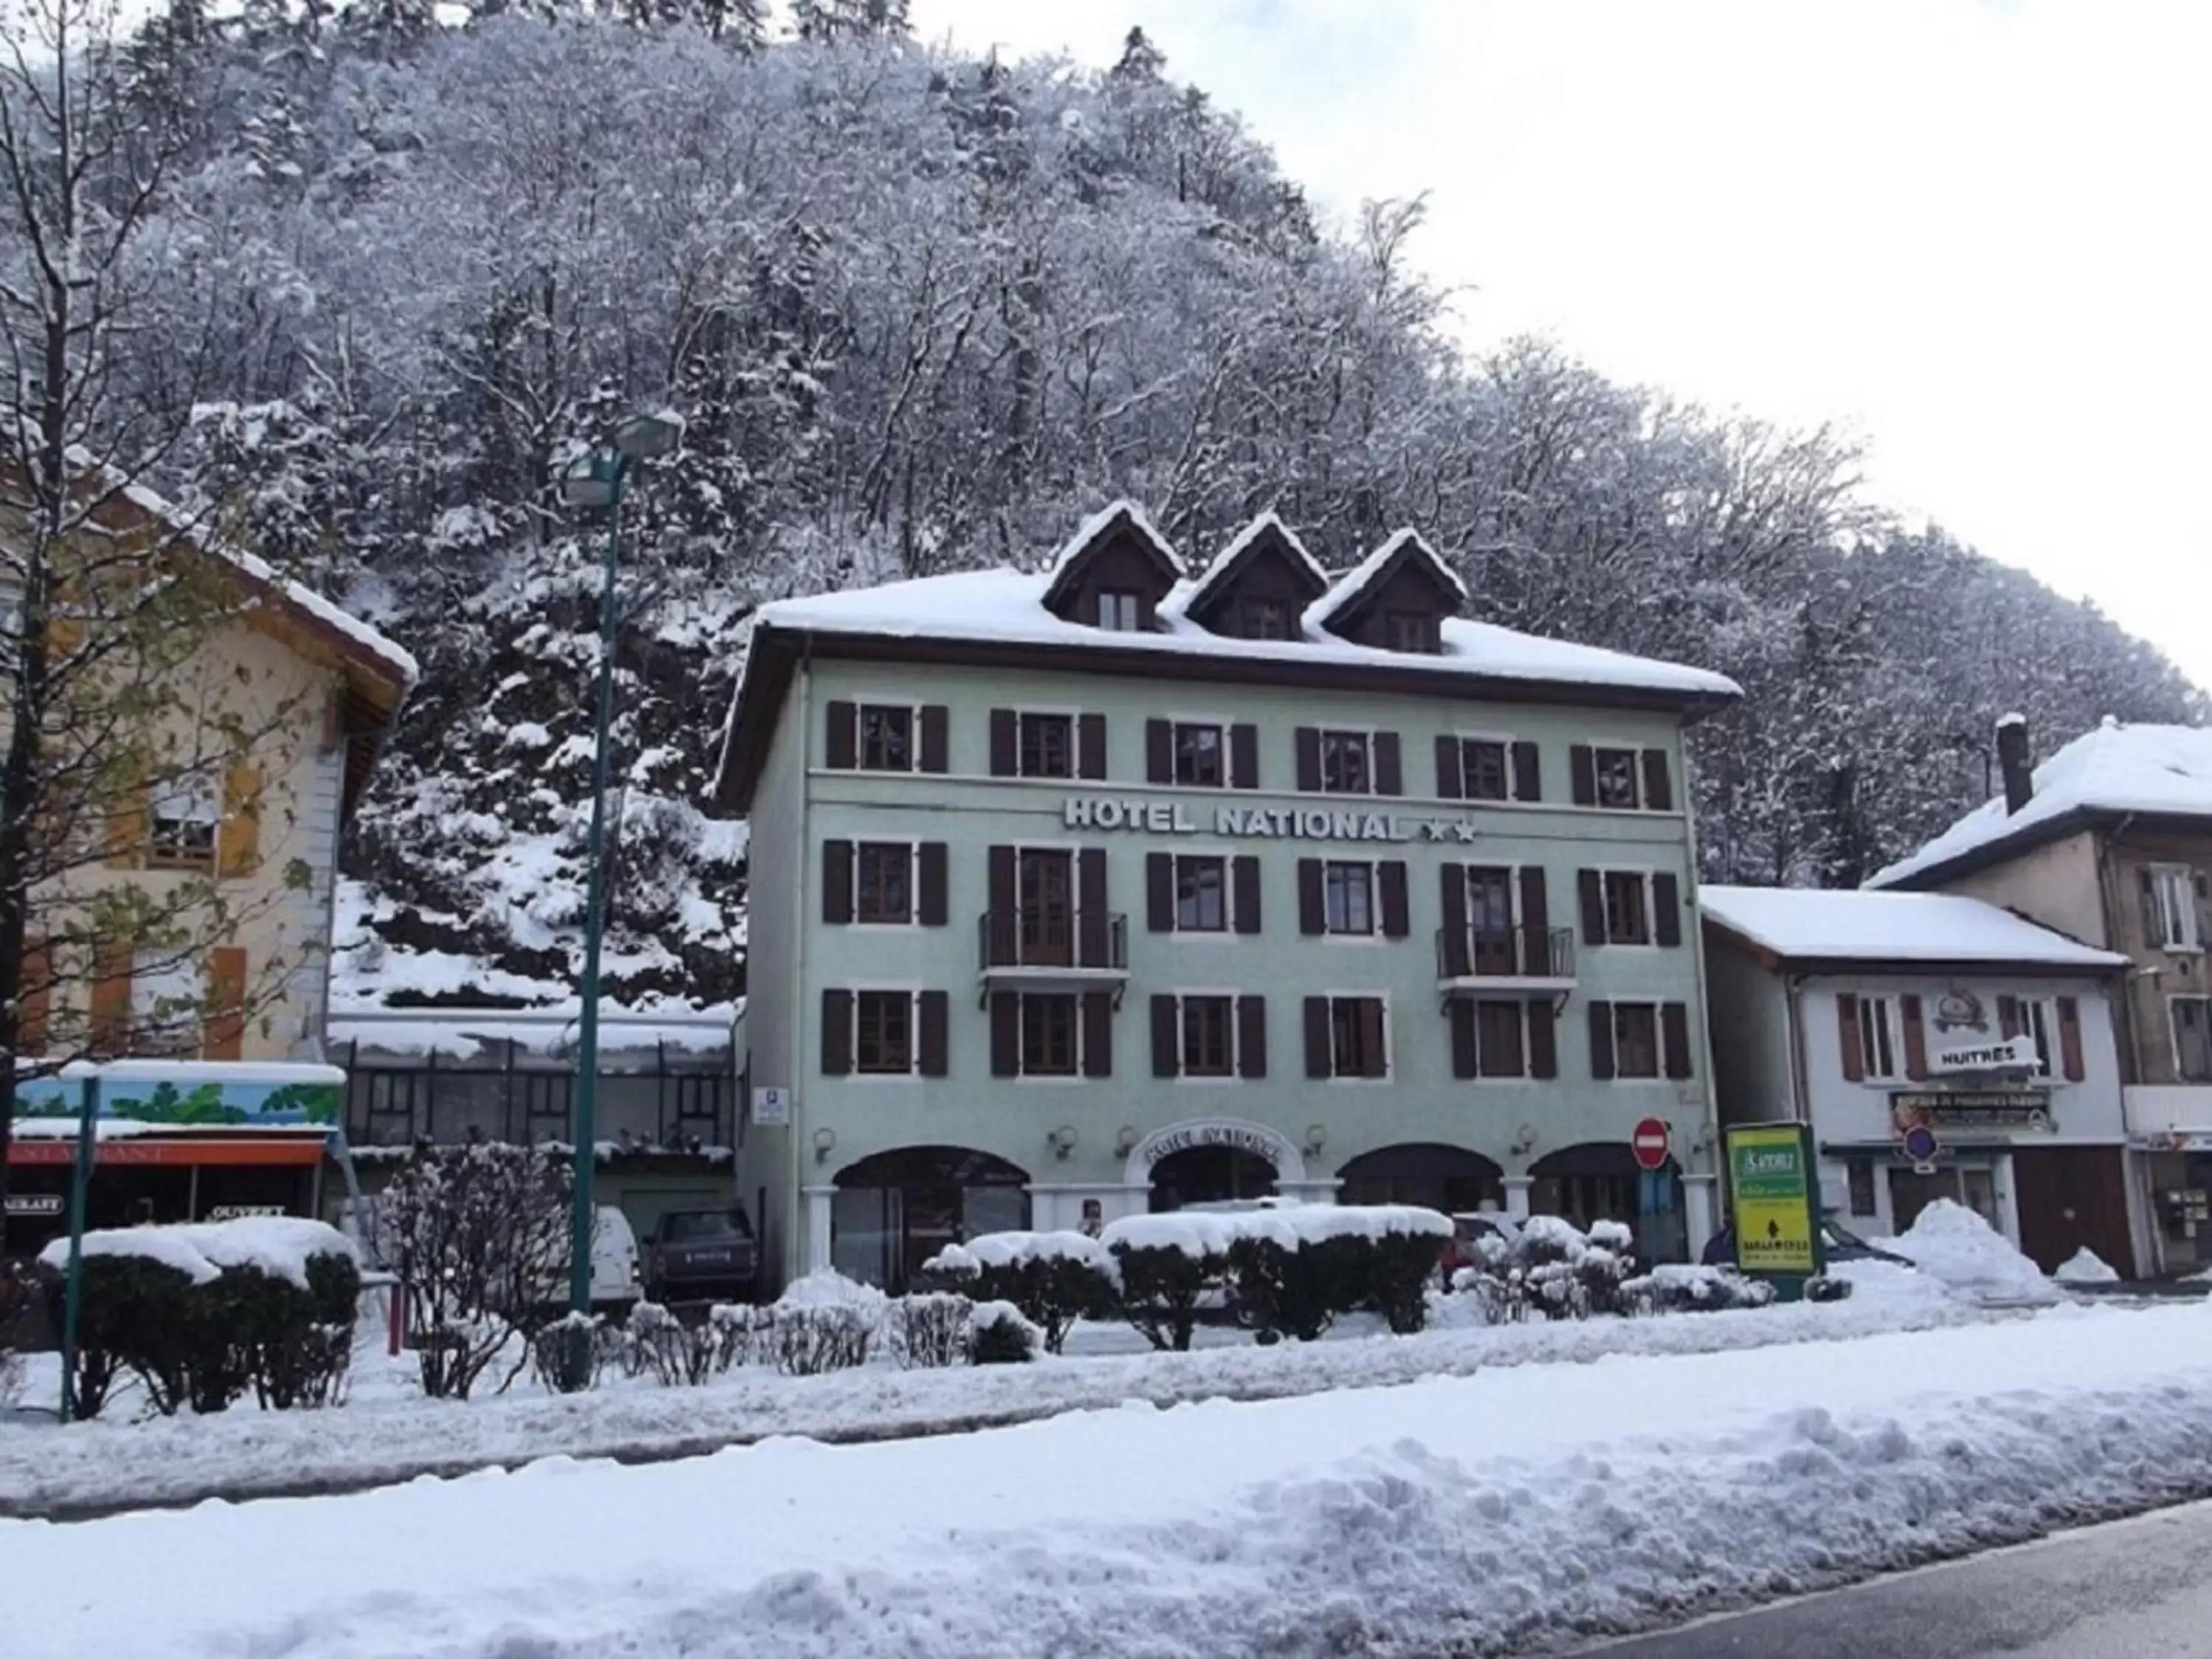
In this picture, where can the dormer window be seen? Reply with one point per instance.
(1122, 611)
(1113, 573)
(1265, 619)
(1413, 630)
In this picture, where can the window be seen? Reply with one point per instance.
(1356, 1047)
(1121, 610)
(2192, 1037)
(1615, 772)
(1499, 1032)
(2036, 1021)
(883, 1031)
(1348, 898)
(1209, 1047)
(1635, 1039)
(886, 738)
(1049, 1027)
(883, 881)
(1412, 630)
(1265, 619)
(1045, 745)
(1858, 1172)
(2170, 892)
(1878, 1044)
(185, 815)
(1345, 763)
(165, 998)
(1198, 756)
(1485, 771)
(1201, 895)
(1627, 916)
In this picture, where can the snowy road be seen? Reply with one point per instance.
(2134, 1589)
(1478, 1514)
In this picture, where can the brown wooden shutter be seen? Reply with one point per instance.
(1244, 758)
(933, 908)
(1317, 1022)
(1397, 918)
(1464, 1058)
(2203, 886)
(129, 817)
(1159, 892)
(34, 1000)
(2069, 1040)
(110, 1001)
(1674, 1037)
(1252, 1037)
(1097, 1034)
(1167, 1037)
(1450, 783)
(1309, 748)
(1452, 949)
(1005, 1034)
(2008, 1017)
(1601, 1040)
(1543, 1040)
(836, 883)
(1389, 768)
(1582, 774)
(936, 744)
(1004, 935)
(1090, 746)
(841, 751)
(1092, 925)
(1244, 892)
(1159, 753)
(1915, 1037)
(1374, 1038)
(1527, 780)
(1590, 890)
(836, 1031)
(1658, 789)
(1535, 923)
(222, 1017)
(1847, 1036)
(1666, 909)
(935, 1020)
(1004, 763)
(238, 838)
(1313, 917)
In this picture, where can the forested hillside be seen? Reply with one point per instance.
(925, 312)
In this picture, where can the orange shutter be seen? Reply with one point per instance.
(111, 1000)
(222, 1026)
(34, 1001)
(129, 817)
(238, 842)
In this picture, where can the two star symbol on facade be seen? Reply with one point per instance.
(1448, 829)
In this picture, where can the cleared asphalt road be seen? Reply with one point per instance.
(2134, 1589)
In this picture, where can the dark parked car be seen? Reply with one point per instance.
(694, 1255)
(1837, 1244)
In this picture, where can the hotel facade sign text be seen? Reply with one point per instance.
(1162, 817)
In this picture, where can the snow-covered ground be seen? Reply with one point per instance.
(1481, 1514)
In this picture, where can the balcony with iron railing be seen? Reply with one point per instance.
(1505, 962)
(1055, 950)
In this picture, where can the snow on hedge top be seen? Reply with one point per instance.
(1211, 1232)
(825, 1287)
(279, 1245)
(1005, 606)
(1013, 1249)
(2116, 768)
(1812, 924)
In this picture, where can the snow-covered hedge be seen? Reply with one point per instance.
(1680, 1287)
(1054, 1278)
(1000, 1333)
(824, 1322)
(1549, 1267)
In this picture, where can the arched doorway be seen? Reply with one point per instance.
(894, 1211)
(1600, 1180)
(1209, 1175)
(1440, 1177)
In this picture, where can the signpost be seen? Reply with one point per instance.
(1921, 1146)
(1775, 1200)
(1650, 1142)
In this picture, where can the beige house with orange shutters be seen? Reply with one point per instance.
(189, 914)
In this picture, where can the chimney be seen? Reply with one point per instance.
(2012, 762)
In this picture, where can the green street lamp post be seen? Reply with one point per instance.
(596, 480)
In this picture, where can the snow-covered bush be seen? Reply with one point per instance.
(659, 1345)
(1678, 1287)
(553, 1352)
(1549, 1267)
(929, 1328)
(824, 1322)
(1000, 1333)
(1168, 1265)
(1054, 1278)
(741, 1332)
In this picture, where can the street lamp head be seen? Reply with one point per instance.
(592, 480)
(646, 437)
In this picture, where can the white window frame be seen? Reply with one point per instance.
(913, 886)
(1228, 862)
(1504, 740)
(1880, 1009)
(1524, 1075)
(1390, 1037)
(2038, 1022)
(860, 712)
(1220, 725)
(1074, 719)
(1366, 736)
(1658, 1072)
(1110, 618)
(1211, 1079)
(1022, 1072)
(1374, 929)
(913, 993)
(2173, 1034)
(1644, 873)
(189, 798)
(1613, 745)
(2174, 890)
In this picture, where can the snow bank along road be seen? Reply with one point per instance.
(1482, 1514)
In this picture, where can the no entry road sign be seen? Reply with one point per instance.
(1650, 1144)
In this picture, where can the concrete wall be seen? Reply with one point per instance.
(2057, 885)
(1747, 1004)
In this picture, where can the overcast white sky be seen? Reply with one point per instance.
(1975, 235)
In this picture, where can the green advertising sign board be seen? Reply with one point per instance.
(1774, 1194)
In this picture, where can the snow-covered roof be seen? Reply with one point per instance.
(1006, 606)
(465, 1032)
(2165, 770)
(1097, 525)
(1852, 925)
(1351, 585)
(1242, 542)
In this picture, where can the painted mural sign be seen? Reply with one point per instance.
(1161, 817)
(190, 1099)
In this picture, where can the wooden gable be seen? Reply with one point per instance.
(1116, 553)
(1263, 571)
(1397, 599)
